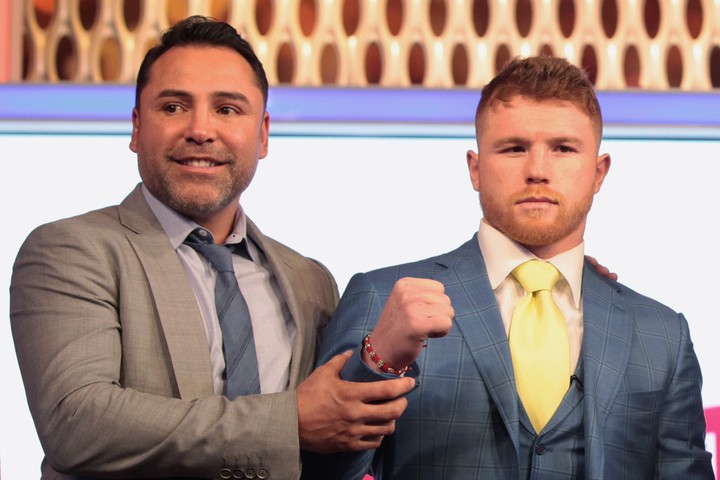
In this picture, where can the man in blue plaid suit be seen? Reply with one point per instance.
(632, 409)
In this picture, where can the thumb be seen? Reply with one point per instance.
(337, 362)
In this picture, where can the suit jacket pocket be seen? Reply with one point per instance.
(632, 424)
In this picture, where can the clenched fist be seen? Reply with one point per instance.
(416, 309)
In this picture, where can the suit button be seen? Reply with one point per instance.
(263, 473)
(540, 449)
(250, 473)
(226, 473)
(238, 473)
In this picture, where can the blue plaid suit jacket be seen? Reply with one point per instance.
(642, 414)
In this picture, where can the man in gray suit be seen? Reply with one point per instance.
(114, 319)
(627, 404)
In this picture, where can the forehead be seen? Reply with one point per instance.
(522, 115)
(200, 69)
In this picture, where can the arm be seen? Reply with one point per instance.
(681, 436)
(99, 385)
(401, 317)
(333, 415)
(336, 415)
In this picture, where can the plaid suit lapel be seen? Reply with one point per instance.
(478, 318)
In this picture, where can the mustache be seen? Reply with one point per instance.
(201, 152)
(536, 193)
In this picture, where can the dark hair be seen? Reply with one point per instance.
(199, 30)
(542, 78)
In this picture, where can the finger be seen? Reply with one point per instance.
(359, 444)
(386, 392)
(420, 284)
(434, 297)
(437, 310)
(433, 321)
(378, 431)
(373, 440)
(378, 414)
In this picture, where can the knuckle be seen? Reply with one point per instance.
(398, 408)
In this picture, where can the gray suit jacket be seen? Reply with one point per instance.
(640, 415)
(114, 356)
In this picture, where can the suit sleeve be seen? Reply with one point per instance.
(681, 449)
(69, 334)
(355, 317)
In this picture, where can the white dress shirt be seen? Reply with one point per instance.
(273, 326)
(502, 255)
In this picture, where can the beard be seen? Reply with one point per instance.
(196, 196)
(183, 199)
(537, 227)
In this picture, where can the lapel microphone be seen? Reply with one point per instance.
(578, 383)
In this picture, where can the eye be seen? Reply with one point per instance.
(171, 108)
(228, 110)
(513, 149)
(565, 149)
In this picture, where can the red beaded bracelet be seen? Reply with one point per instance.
(379, 361)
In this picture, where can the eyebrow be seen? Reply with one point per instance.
(174, 94)
(237, 96)
(523, 140)
(568, 139)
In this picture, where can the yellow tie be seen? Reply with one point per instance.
(539, 343)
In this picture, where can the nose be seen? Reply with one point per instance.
(537, 168)
(200, 128)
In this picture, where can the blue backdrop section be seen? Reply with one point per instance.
(27, 107)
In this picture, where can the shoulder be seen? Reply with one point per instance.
(383, 279)
(651, 314)
(87, 227)
(70, 250)
(648, 313)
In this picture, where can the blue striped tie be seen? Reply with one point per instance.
(241, 368)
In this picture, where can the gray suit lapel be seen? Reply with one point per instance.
(607, 334)
(177, 310)
(478, 318)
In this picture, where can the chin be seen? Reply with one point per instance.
(535, 234)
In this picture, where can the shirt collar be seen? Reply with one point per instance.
(178, 227)
(502, 255)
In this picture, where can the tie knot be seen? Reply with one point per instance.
(535, 275)
(219, 256)
(199, 236)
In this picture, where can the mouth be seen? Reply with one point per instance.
(536, 200)
(199, 162)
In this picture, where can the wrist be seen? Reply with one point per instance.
(375, 360)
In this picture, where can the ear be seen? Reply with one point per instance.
(602, 167)
(264, 134)
(136, 127)
(474, 169)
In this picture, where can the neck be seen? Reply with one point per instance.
(544, 252)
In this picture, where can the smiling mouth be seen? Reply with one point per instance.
(199, 162)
